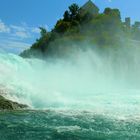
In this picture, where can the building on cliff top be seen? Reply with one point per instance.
(90, 7)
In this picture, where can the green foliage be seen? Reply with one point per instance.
(40, 43)
(135, 32)
(43, 31)
(74, 10)
(112, 12)
(105, 29)
(62, 26)
(66, 16)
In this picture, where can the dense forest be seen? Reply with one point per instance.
(81, 25)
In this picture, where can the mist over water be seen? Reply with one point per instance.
(99, 81)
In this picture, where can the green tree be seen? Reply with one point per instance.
(74, 10)
(112, 12)
(62, 26)
(66, 16)
(43, 31)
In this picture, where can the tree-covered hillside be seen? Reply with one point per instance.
(84, 24)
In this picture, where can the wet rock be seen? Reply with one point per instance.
(6, 104)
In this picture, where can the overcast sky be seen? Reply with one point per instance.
(20, 19)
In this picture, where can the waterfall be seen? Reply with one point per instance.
(101, 82)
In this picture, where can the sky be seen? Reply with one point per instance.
(20, 19)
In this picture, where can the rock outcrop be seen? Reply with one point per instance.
(6, 104)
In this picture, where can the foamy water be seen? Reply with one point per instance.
(104, 83)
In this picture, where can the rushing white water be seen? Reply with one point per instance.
(90, 80)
